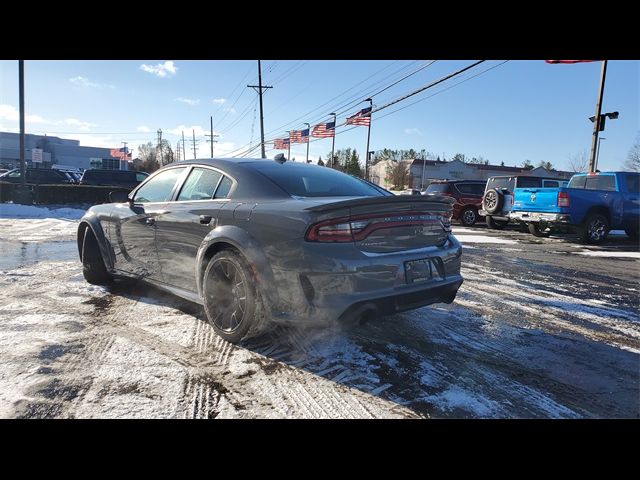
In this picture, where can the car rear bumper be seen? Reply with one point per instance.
(336, 287)
(540, 217)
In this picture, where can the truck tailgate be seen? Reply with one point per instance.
(536, 200)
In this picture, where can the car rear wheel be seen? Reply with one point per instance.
(632, 233)
(595, 229)
(93, 267)
(232, 301)
(495, 224)
(468, 216)
(538, 230)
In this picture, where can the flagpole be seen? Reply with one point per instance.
(366, 153)
(289, 145)
(309, 132)
(333, 140)
(597, 119)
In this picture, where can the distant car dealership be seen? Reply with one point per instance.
(46, 151)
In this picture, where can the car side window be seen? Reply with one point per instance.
(159, 188)
(15, 174)
(200, 185)
(140, 177)
(224, 188)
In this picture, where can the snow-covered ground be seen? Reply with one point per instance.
(37, 224)
(536, 331)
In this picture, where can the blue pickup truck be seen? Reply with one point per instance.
(592, 204)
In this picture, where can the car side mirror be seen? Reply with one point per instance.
(118, 196)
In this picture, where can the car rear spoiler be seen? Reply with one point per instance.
(396, 199)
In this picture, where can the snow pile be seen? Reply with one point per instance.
(15, 210)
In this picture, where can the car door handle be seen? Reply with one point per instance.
(150, 221)
(205, 219)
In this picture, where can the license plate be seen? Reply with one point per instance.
(535, 215)
(417, 270)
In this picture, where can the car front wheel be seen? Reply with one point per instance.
(93, 267)
(468, 217)
(232, 301)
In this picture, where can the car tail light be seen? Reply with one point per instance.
(563, 199)
(349, 229)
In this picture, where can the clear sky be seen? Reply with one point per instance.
(516, 111)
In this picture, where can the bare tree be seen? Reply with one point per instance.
(633, 158)
(578, 162)
(397, 175)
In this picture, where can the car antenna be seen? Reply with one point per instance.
(280, 158)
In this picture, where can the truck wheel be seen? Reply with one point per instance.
(468, 216)
(594, 229)
(538, 230)
(495, 224)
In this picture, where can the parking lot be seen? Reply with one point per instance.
(541, 328)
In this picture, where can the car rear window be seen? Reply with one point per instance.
(601, 182)
(314, 181)
(577, 181)
(501, 182)
(528, 182)
(470, 188)
(438, 188)
(633, 183)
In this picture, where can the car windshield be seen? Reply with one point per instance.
(302, 180)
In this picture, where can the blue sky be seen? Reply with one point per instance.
(516, 111)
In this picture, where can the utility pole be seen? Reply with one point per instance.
(597, 119)
(259, 88)
(333, 139)
(184, 151)
(212, 137)
(124, 151)
(160, 145)
(424, 165)
(23, 173)
(366, 165)
(194, 144)
(308, 132)
(598, 154)
(178, 150)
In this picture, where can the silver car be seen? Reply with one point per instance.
(258, 241)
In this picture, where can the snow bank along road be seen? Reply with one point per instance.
(541, 328)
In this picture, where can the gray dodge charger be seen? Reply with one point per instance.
(258, 241)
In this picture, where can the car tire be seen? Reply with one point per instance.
(536, 230)
(594, 230)
(632, 233)
(495, 224)
(93, 267)
(232, 302)
(493, 200)
(468, 216)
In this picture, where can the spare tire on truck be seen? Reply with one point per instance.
(493, 200)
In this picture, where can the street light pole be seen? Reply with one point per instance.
(366, 165)
(598, 154)
(289, 145)
(308, 131)
(597, 119)
(23, 173)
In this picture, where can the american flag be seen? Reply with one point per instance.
(121, 153)
(363, 117)
(281, 144)
(295, 136)
(304, 136)
(324, 130)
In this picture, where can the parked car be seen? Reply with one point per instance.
(74, 174)
(591, 204)
(497, 200)
(114, 178)
(411, 191)
(467, 195)
(3, 170)
(36, 176)
(256, 240)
